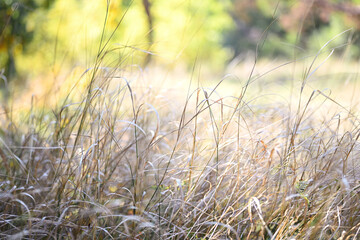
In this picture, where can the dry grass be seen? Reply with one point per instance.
(122, 160)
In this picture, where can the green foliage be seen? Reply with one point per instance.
(48, 34)
(70, 32)
(191, 31)
(15, 35)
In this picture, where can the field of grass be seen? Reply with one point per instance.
(131, 153)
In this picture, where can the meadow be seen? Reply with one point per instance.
(125, 154)
(267, 150)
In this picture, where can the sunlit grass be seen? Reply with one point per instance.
(117, 151)
(124, 155)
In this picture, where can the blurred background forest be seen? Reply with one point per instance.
(42, 37)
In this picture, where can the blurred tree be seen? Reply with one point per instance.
(316, 13)
(251, 19)
(189, 30)
(36, 35)
(318, 21)
(61, 34)
(175, 30)
(149, 17)
(285, 22)
(14, 35)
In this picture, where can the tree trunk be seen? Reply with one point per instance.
(147, 8)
